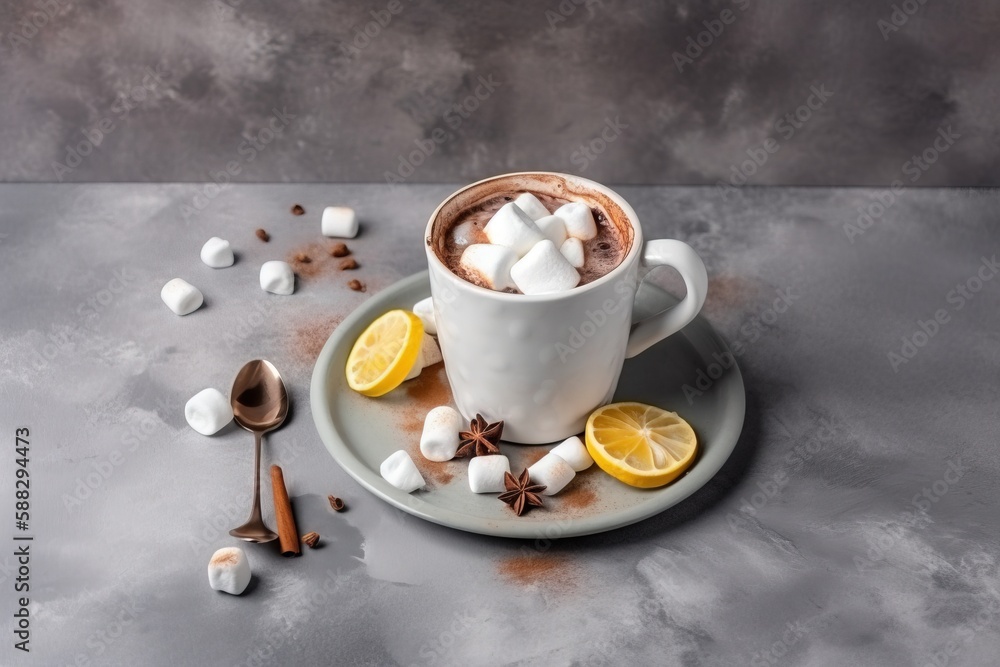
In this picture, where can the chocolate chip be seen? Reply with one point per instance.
(298, 210)
(356, 285)
(603, 246)
(262, 235)
(348, 264)
(340, 250)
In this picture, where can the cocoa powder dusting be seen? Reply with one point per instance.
(309, 337)
(577, 497)
(311, 260)
(428, 390)
(549, 570)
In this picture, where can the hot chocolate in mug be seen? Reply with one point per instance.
(542, 363)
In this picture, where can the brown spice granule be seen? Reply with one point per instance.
(298, 210)
(348, 264)
(336, 503)
(309, 337)
(547, 569)
(356, 285)
(339, 250)
(302, 257)
(262, 235)
(577, 496)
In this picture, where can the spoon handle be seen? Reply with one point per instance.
(255, 513)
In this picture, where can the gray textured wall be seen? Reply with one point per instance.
(164, 91)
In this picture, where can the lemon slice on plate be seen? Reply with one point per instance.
(383, 355)
(639, 444)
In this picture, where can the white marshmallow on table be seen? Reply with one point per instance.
(491, 263)
(574, 452)
(572, 250)
(400, 471)
(530, 204)
(543, 270)
(428, 355)
(552, 472)
(579, 220)
(181, 296)
(229, 571)
(217, 254)
(553, 227)
(340, 221)
(208, 411)
(277, 277)
(511, 227)
(486, 473)
(439, 440)
(424, 309)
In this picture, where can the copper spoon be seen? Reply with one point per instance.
(260, 404)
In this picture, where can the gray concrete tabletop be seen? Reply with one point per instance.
(856, 523)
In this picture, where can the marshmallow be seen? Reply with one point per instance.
(439, 440)
(544, 269)
(511, 227)
(400, 471)
(572, 250)
(553, 227)
(229, 571)
(553, 472)
(579, 220)
(428, 355)
(424, 309)
(574, 452)
(490, 263)
(277, 277)
(486, 473)
(529, 203)
(217, 253)
(181, 296)
(340, 221)
(208, 411)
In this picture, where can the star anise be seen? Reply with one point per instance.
(481, 439)
(521, 493)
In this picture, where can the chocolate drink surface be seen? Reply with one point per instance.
(601, 254)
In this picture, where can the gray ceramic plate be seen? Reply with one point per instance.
(361, 432)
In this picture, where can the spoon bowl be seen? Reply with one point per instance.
(260, 404)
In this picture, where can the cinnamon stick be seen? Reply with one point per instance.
(288, 534)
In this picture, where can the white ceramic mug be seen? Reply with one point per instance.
(543, 363)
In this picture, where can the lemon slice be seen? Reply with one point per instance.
(639, 444)
(384, 354)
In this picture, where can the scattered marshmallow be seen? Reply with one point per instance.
(530, 204)
(428, 355)
(491, 263)
(208, 411)
(552, 471)
(277, 277)
(511, 227)
(217, 253)
(400, 471)
(439, 440)
(229, 571)
(543, 270)
(579, 220)
(340, 221)
(424, 309)
(574, 452)
(181, 296)
(486, 473)
(553, 227)
(572, 250)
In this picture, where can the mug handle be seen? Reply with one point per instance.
(683, 258)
